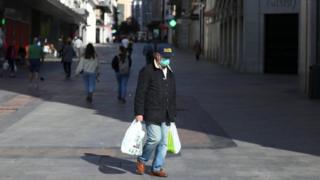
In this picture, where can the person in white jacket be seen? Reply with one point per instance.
(89, 68)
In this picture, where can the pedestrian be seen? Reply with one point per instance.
(148, 52)
(130, 47)
(78, 46)
(89, 68)
(121, 64)
(2, 41)
(46, 48)
(155, 104)
(11, 57)
(22, 54)
(60, 45)
(33, 61)
(68, 54)
(197, 49)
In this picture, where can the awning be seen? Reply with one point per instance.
(57, 9)
(76, 16)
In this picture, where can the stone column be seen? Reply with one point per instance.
(308, 36)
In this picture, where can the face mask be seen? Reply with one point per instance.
(164, 62)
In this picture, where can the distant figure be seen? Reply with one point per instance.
(22, 54)
(197, 49)
(130, 47)
(148, 52)
(78, 46)
(11, 57)
(34, 55)
(46, 48)
(68, 54)
(89, 68)
(121, 65)
(1, 44)
(60, 46)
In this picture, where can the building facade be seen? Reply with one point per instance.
(309, 43)
(124, 9)
(52, 19)
(257, 36)
(98, 26)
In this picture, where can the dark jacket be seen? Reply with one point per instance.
(115, 63)
(155, 97)
(68, 53)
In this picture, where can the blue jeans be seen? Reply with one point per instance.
(89, 81)
(157, 139)
(122, 85)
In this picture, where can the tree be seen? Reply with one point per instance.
(131, 26)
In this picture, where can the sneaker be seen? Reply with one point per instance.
(140, 167)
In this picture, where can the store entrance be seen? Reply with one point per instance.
(281, 43)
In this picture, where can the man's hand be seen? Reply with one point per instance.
(139, 118)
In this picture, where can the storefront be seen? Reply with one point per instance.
(253, 36)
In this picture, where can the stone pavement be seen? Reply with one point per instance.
(233, 126)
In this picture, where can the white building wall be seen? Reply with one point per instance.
(90, 36)
(107, 33)
(211, 36)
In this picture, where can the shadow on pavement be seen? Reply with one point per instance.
(110, 165)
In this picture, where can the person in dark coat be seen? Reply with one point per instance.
(11, 57)
(68, 54)
(148, 52)
(155, 103)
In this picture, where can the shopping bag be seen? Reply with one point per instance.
(133, 139)
(174, 144)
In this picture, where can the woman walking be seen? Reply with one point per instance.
(121, 64)
(89, 68)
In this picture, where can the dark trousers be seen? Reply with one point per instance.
(11, 65)
(197, 56)
(67, 68)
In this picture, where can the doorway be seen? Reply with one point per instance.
(97, 35)
(281, 43)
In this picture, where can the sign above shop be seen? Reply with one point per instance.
(280, 6)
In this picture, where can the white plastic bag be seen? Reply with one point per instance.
(133, 139)
(174, 144)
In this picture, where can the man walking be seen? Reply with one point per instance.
(68, 54)
(78, 46)
(155, 103)
(35, 53)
